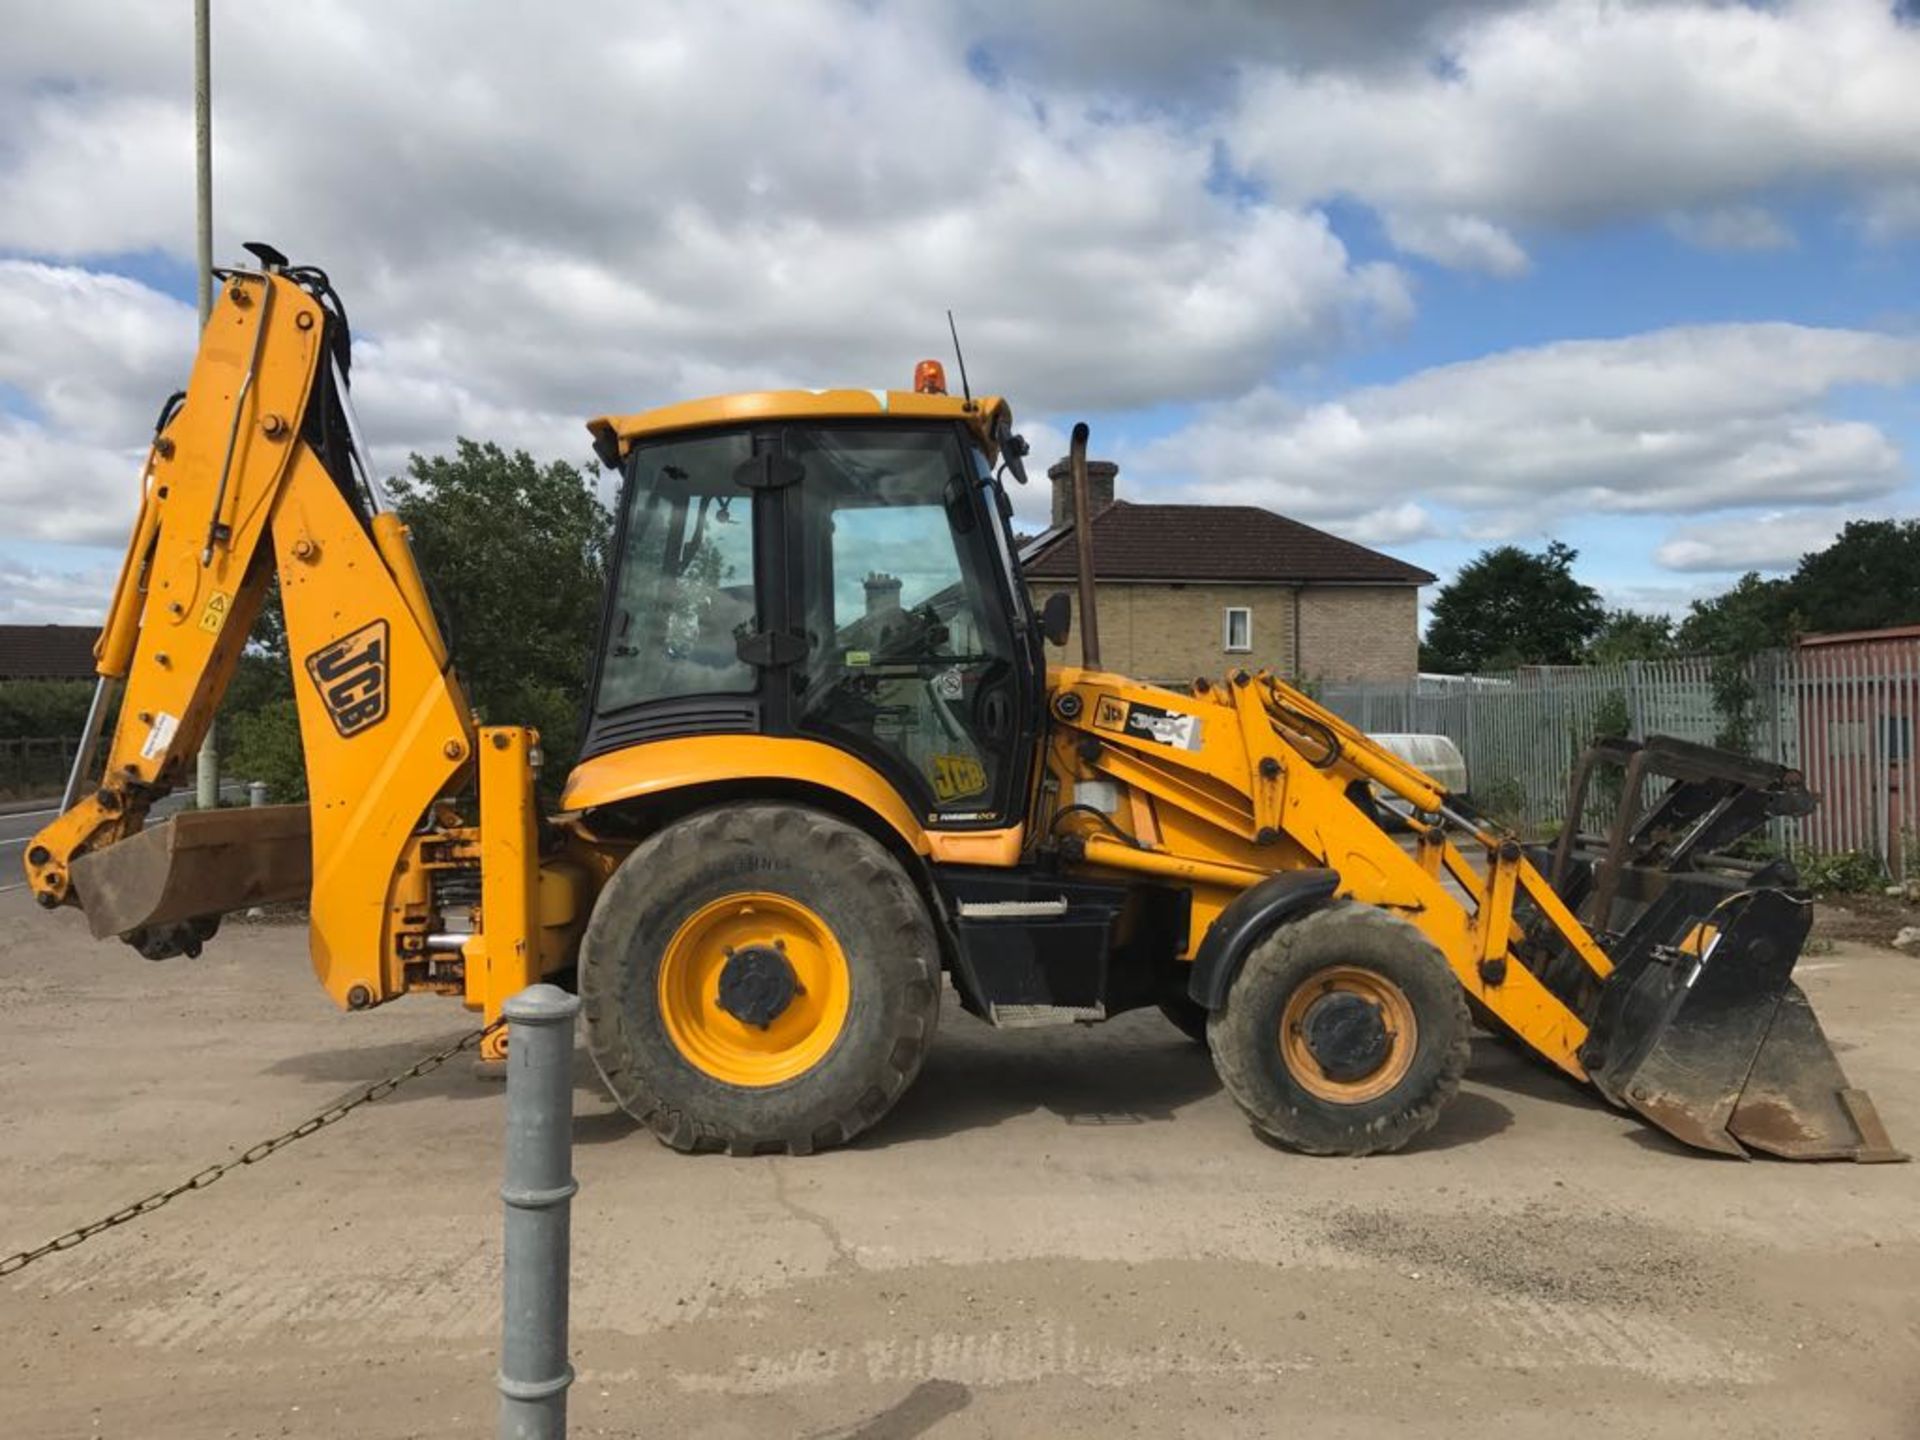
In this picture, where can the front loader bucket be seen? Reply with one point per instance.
(193, 865)
(1720, 1048)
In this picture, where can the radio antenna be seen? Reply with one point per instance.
(966, 390)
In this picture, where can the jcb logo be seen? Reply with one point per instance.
(351, 676)
(957, 775)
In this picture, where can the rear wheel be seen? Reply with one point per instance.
(1345, 1032)
(759, 978)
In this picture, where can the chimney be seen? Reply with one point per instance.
(1100, 478)
(883, 593)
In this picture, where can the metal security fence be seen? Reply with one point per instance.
(1844, 714)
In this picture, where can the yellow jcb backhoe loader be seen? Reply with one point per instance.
(825, 763)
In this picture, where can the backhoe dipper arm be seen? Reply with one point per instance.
(254, 475)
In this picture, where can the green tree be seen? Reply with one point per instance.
(515, 554)
(1868, 578)
(1509, 607)
(43, 709)
(1733, 628)
(263, 743)
(1756, 614)
(1630, 635)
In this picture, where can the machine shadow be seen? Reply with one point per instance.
(922, 1408)
(1470, 1117)
(1124, 1073)
(354, 1068)
(1498, 1066)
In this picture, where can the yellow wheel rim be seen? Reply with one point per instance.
(766, 932)
(1396, 1016)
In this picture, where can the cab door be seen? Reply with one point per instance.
(918, 657)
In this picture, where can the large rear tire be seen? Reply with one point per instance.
(759, 978)
(1345, 1032)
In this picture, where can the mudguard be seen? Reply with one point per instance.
(1247, 917)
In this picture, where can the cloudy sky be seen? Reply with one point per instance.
(1640, 277)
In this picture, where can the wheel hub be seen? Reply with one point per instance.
(757, 984)
(1347, 1036)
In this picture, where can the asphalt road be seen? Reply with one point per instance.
(19, 826)
(1055, 1234)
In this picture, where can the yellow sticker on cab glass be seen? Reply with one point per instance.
(955, 776)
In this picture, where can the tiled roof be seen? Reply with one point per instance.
(47, 652)
(1214, 542)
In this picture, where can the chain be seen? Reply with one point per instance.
(250, 1156)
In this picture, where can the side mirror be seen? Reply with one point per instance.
(1013, 448)
(1056, 618)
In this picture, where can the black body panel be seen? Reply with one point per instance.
(1113, 947)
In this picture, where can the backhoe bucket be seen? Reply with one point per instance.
(1716, 1045)
(194, 866)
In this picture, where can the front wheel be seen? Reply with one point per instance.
(759, 978)
(1345, 1032)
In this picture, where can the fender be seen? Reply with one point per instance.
(660, 767)
(1245, 921)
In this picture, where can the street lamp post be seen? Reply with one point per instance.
(207, 771)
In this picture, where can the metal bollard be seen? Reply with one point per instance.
(534, 1373)
(256, 793)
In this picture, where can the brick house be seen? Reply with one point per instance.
(1188, 590)
(47, 652)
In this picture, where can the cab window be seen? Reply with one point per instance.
(684, 593)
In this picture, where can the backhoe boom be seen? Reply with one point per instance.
(254, 476)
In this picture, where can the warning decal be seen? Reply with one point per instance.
(215, 613)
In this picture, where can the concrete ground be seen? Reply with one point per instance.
(1055, 1234)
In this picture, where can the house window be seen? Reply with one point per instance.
(1239, 628)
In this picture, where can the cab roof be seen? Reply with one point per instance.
(615, 435)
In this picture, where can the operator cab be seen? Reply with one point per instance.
(831, 565)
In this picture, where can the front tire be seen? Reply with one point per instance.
(759, 978)
(1345, 1032)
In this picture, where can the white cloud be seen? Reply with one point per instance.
(709, 195)
(1731, 227)
(1577, 113)
(1464, 242)
(529, 230)
(1678, 421)
(34, 595)
(1891, 214)
(1391, 525)
(1654, 598)
(1773, 540)
(93, 356)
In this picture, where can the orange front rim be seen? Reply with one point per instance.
(780, 1037)
(1395, 1016)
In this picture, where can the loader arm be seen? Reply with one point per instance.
(255, 476)
(1244, 781)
